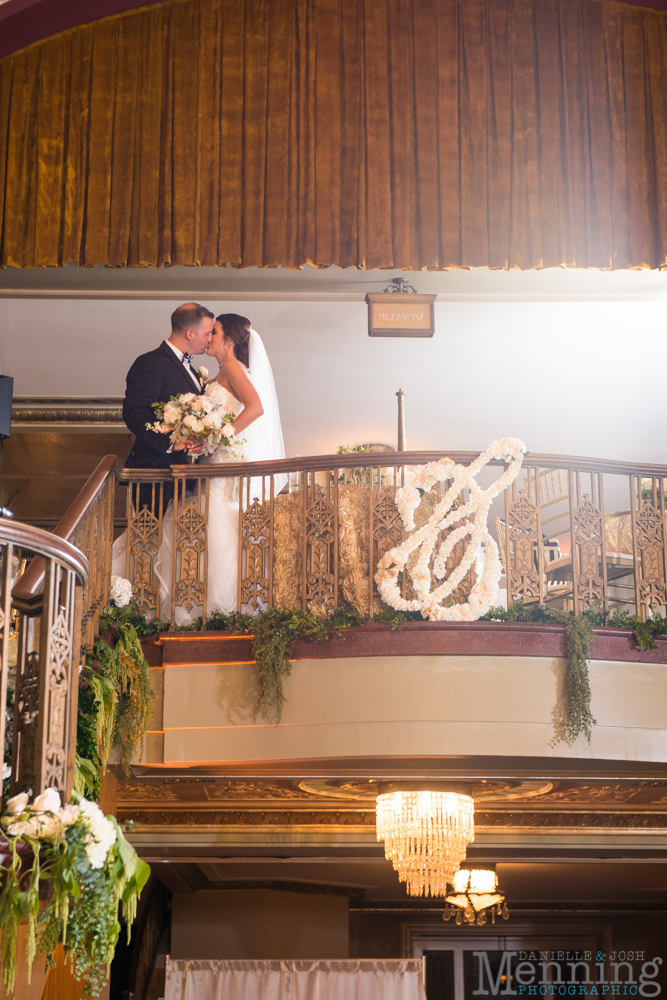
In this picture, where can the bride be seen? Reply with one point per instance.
(243, 386)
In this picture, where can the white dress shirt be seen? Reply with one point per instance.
(179, 355)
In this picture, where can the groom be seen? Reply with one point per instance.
(155, 377)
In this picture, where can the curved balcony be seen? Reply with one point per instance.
(572, 533)
(431, 695)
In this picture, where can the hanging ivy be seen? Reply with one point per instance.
(275, 632)
(578, 647)
(117, 692)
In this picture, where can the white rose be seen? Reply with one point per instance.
(18, 829)
(68, 815)
(203, 372)
(197, 405)
(16, 805)
(48, 826)
(190, 420)
(197, 426)
(121, 591)
(209, 420)
(32, 827)
(48, 801)
(172, 412)
(187, 397)
(102, 835)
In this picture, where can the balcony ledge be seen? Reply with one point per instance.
(411, 639)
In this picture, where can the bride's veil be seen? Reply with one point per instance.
(264, 437)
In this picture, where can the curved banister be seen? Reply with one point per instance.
(384, 459)
(47, 546)
(32, 580)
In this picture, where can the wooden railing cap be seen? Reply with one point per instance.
(383, 459)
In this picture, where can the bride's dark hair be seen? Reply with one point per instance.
(237, 329)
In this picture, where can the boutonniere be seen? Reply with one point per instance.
(203, 373)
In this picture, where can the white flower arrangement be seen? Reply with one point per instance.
(474, 511)
(194, 422)
(47, 819)
(203, 373)
(120, 591)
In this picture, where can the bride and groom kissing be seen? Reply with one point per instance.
(244, 387)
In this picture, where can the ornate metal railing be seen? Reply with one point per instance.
(56, 602)
(46, 684)
(311, 531)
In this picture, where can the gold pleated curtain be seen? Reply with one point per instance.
(375, 133)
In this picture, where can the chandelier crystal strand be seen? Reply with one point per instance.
(425, 836)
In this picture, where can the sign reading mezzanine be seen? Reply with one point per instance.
(392, 315)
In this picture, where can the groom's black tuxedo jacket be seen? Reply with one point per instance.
(153, 378)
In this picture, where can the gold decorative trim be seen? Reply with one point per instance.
(330, 817)
(67, 410)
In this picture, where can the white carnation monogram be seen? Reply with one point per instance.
(445, 515)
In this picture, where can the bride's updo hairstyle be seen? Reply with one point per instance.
(237, 329)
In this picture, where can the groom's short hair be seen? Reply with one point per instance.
(188, 315)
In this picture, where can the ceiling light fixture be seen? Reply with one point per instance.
(425, 834)
(475, 896)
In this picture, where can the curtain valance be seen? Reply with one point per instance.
(304, 979)
(374, 133)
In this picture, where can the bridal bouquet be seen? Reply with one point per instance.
(194, 421)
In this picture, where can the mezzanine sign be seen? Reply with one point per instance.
(392, 315)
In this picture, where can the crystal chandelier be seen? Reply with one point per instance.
(425, 836)
(475, 895)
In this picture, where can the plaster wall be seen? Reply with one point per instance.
(569, 377)
(411, 706)
(259, 923)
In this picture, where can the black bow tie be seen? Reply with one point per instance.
(187, 358)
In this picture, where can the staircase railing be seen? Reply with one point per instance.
(58, 600)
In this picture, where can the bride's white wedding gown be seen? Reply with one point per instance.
(222, 530)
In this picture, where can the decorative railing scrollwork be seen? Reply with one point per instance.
(317, 541)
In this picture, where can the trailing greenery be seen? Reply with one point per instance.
(87, 741)
(578, 647)
(90, 868)
(274, 633)
(115, 692)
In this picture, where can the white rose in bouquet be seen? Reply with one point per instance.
(172, 412)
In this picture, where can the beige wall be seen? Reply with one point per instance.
(541, 371)
(259, 923)
(413, 705)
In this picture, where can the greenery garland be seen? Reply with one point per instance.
(115, 696)
(578, 646)
(275, 632)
